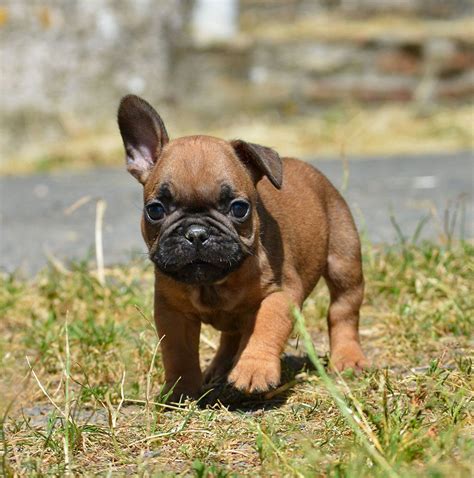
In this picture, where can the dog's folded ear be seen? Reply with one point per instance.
(144, 135)
(261, 161)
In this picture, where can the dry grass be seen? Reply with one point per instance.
(349, 129)
(337, 28)
(356, 131)
(92, 349)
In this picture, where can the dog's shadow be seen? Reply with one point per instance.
(221, 393)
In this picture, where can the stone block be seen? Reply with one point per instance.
(369, 87)
(398, 61)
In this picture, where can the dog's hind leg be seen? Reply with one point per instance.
(345, 280)
(223, 361)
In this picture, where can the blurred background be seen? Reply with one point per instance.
(377, 93)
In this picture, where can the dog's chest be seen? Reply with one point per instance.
(216, 306)
(211, 298)
(221, 321)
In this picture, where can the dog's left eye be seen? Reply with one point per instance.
(155, 211)
(240, 209)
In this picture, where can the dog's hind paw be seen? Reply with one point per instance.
(348, 356)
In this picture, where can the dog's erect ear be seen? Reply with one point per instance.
(144, 135)
(260, 160)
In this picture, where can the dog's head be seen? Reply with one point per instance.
(199, 220)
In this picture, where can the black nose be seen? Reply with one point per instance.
(196, 234)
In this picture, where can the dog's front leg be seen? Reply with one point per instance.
(179, 342)
(263, 339)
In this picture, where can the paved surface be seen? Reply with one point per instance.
(35, 220)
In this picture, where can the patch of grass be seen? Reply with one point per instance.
(87, 403)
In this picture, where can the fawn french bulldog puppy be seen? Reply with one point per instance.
(238, 236)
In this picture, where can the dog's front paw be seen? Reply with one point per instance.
(347, 356)
(252, 374)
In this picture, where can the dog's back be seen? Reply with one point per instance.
(315, 218)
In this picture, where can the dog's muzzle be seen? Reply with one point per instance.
(197, 252)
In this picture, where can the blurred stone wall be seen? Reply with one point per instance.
(291, 9)
(302, 55)
(65, 63)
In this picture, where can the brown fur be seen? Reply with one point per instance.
(300, 233)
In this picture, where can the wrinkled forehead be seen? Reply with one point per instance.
(198, 170)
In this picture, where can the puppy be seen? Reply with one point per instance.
(238, 237)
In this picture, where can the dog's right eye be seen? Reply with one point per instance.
(155, 211)
(240, 209)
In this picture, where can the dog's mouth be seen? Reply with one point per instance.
(198, 272)
(199, 262)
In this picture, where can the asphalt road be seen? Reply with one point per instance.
(54, 214)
